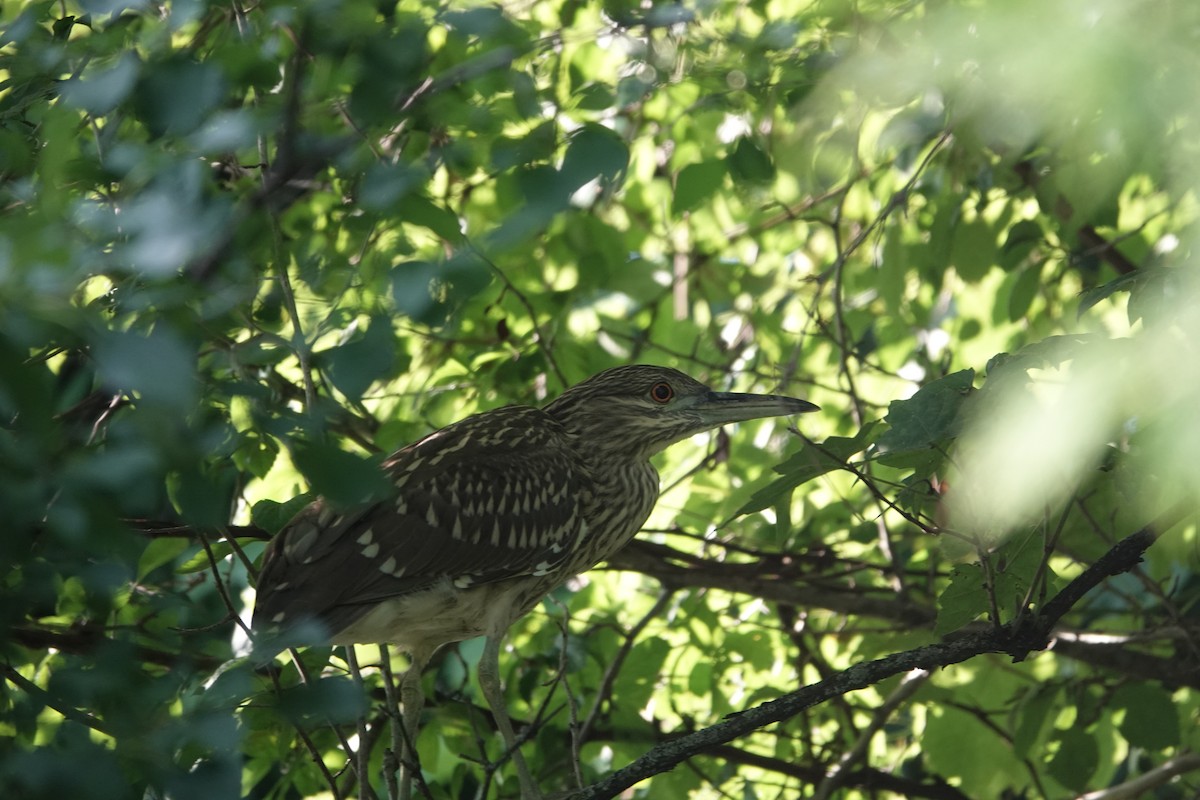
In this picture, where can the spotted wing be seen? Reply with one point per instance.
(493, 497)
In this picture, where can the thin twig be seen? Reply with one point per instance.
(222, 590)
(614, 667)
(313, 751)
(362, 754)
(838, 773)
(50, 701)
(391, 756)
(542, 341)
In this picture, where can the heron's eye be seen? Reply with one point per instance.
(661, 393)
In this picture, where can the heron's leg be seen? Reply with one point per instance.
(412, 698)
(489, 681)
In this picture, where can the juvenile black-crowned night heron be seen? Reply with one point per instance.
(488, 516)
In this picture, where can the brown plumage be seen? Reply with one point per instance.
(489, 515)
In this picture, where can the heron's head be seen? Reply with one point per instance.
(642, 410)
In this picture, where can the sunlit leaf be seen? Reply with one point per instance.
(696, 183)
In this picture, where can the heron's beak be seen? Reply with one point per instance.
(719, 408)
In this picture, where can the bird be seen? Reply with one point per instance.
(483, 519)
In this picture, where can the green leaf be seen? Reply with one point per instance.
(749, 163)
(962, 601)
(1122, 283)
(385, 185)
(1024, 290)
(973, 251)
(929, 417)
(271, 515)
(256, 454)
(357, 364)
(595, 97)
(200, 560)
(1033, 716)
(955, 744)
(537, 145)
(754, 648)
(204, 494)
(1018, 562)
(415, 209)
(161, 551)
(413, 291)
(700, 679)
(1021, 240)
(174, 96)
(345, 479)
(1075, 763)
(810, 462)
(466, 275)
(324, 699)
(1151, 717)
(160, 367)
(637, 680)
(99, 91)
(594, 152)
(696, 183)
(477, 22)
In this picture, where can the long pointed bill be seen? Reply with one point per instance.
(719, 408)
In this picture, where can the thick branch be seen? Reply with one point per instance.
(775, 581)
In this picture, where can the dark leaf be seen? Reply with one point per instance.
(362, 361)
(1151, 716)
(594, 152)
(1075, 762)
(962, 601)
(750, 163)
(345, 479)
(929, 417)
(271, 516)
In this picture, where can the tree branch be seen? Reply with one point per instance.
(1139, 786)
(1033, 633)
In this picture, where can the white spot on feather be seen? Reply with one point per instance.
(388, 566)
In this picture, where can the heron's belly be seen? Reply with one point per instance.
(423, 621)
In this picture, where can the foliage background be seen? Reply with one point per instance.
(247, 248)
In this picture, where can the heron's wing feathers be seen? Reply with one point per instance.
(493, 497)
